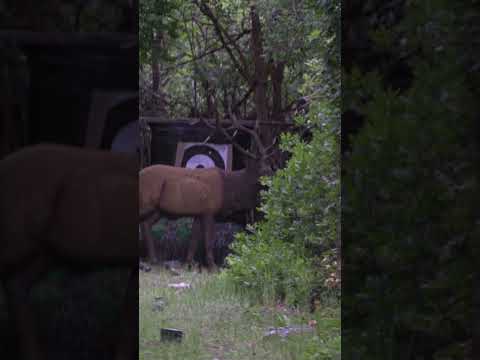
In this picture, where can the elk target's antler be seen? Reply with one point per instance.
(236, 126)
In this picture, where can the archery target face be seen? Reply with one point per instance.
(197, 155)
(202, 156)
(199, 161)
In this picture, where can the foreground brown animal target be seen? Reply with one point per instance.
(67, 204)
(199, 193)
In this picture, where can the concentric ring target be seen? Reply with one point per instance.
(202, 156)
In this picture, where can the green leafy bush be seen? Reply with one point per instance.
(285, 255)
(270, 270)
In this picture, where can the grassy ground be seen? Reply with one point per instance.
(219, 324)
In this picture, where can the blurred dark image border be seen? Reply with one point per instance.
(69, 75)
(410, 155)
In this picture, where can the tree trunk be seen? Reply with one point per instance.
(260, 74)
(209, 96)
(277, 85)
(156, 48)
(155, 74)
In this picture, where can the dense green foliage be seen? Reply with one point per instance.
(179, 40)
(408, 209)
(292, 252)
(156, 18)
(301, 207)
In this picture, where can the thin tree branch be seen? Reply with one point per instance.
(241, 63)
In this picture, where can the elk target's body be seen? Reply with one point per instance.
(181, 191)
(199, 193)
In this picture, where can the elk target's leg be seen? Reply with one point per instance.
(21, 314)
(209, 233)
(146, 227)
(127, 348)
(198, 227)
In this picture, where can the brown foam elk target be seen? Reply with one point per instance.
(201, 193)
